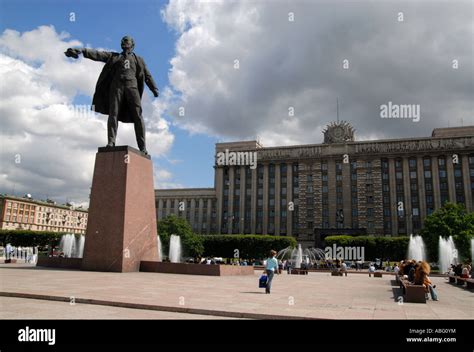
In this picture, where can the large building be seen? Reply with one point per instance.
(25, 213)
(342, 186)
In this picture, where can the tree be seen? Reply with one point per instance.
(449, 220)
(173, 225)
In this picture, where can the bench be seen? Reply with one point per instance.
(469, 283)
(452, 279)
(376, 274)
(299, 272)
(461, 280)
(413, 293)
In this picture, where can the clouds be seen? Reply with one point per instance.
(237, 69)
(299, 65)
(48, 141)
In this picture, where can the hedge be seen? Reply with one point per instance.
(393, 248)
(28, 238)
(248, 246)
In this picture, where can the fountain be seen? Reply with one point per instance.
(298, 255)
(472, 250)
(448, 253)
(175, 249)
(72, 246)
(416, 248)
(160, 250)
(80, 248)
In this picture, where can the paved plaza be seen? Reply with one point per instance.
(170, 296)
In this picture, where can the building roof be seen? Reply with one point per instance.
(241, 145)
(448, 132)
(461, 131)
(186, 192)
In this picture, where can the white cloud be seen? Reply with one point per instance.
(163, 179)
(48, 148)
(299, 64)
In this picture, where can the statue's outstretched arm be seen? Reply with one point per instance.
(92, 54)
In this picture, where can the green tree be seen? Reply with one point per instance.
(449, 220)
(173, 225)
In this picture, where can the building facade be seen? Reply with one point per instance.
(342, 186)
(197, 205)
(27, 214)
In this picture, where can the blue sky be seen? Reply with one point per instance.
(103, 24)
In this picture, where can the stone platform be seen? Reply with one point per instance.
(156, 267)
(313, 296)
(195, 269)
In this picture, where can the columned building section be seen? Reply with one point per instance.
(341, 186)
(290, 200)
(243, 200)
(435, 178)
(421, 188)
(197, 205)
(253, 202)
(377, 194)
(331, 191)
(468, 177)
(346, 194)
(393, 196)
(265, 198)
(407, 204)
(278, 199)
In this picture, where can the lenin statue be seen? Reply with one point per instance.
(120, 87)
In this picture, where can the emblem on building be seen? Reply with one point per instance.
(338, 132)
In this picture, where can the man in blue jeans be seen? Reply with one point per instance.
(271, 268)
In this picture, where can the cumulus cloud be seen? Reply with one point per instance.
(48, 143)
(298, 64)
(164, 179)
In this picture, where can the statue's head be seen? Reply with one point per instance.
(127, 43)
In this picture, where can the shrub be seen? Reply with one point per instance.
(394, 248)
(28, 238)
(244, 246)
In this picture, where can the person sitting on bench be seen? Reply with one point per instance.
(465, 271)
(421, 278)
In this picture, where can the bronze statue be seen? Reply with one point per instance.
(120, 87)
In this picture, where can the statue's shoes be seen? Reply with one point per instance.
(110, 145)
(145, 152)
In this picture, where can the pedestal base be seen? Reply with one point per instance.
(121, 228)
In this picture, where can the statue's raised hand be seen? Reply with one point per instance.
(70, 52)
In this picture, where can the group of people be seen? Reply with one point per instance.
(461, 270)
(418, 273)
